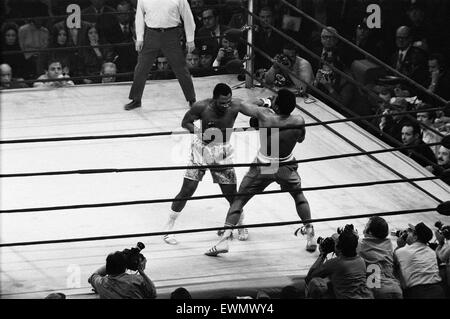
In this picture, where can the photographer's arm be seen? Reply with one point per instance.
(269, 76)
(316, 269)
(101, 272)
(149, 285)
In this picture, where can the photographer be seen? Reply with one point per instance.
(347, 272)
(112, 282)
(297, 65)
(417, 264)
(227, 52)
(443, 254)
(376, 249)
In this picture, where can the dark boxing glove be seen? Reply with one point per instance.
(254, 122)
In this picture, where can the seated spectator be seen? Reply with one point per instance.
(34, 36)
(108, 68)
(417, 264)
(67, 57)
(180, 293)
(197, 7)
(392, 122)
(442, 169)
(347, 271)
(53, 72)
(421, 153)
(439, 76)
(331, 49)
(193, 59)
(206, 58)
(10, 42)
(337, 87)
(227, 52)
(211, 31)
(163, 70)
(429, 131)
(408, 59)
(92, 58)
(367, 40)
(7, 81)
(295, 64)
(421, 30)
(376, 249)
(112, 282)
(266, 39)
(443, 254)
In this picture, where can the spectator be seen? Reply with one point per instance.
(193, 59)
(34, 36)
(266, 39)
(10, 42)
(53, 72)
(295, 64)
(180, 293)
(347, 272)
(211, 31)
(442, 169)
(429, 131)
(197, 7)
(417, 264)
(367, 40)
(421, 153)
(408, 59)
(392, 122)
(67, 57)
(421, 30)
(122, 31)
(7, 81)
(337, 87)
(376, 249)
(443, 255)
(226, 53)
(92, 58)
(108, 68)
(206, 57)
(112, 282)
(163, 70)
(238, 16)
(331, 51)
(95, 13)
(439, 76)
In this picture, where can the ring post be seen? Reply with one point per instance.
(249, 63)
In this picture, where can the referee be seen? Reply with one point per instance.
(158, 29)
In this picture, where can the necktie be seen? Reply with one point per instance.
(400, 60)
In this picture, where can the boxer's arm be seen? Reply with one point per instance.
(194, 114)
(250, 108)
(301, 138)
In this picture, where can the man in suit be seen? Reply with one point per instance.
(211, 31)
(408, 59)
(158, 29)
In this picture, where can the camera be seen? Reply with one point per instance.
(401, 233)
(283, 60)
(444, 230)
(347, 228)
(326, 74)
(229, 53)
(133, 256)
(326, 244)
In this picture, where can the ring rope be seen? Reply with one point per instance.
(381, 63)
(167, 133)
(196, 230)
(89, 171)
(351, 112)
(169, 200)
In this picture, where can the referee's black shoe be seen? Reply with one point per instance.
(132, 105)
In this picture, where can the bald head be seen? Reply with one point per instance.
(403, 37)
(5, 73)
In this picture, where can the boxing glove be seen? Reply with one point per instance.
(254, 122)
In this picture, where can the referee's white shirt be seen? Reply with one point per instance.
(164, 14)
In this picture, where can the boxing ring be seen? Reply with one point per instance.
(272, 256)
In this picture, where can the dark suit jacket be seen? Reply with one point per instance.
(272, 45)
(208, 40)
(414, 65)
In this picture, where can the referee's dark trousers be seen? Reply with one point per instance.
(168, 41)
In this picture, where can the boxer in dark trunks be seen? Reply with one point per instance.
(278, 139)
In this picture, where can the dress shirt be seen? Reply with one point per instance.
(164, 14)
(418, 265)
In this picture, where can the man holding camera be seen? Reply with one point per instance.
(346, 272)
(112, 282)
(417, 264)
(293, 63)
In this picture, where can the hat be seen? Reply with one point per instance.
(423, 233)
